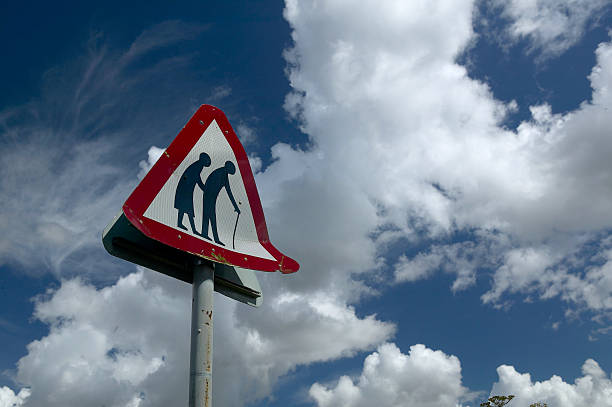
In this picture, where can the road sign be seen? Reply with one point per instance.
(200, 197)
(200, 200)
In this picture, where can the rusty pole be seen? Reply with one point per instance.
(201, 359)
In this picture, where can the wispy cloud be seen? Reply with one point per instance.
(65, 157)
(161, 35)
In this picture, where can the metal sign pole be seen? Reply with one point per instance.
(201, 358)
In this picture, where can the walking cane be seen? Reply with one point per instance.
(235, 227)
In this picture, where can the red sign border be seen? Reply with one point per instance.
(142, 196)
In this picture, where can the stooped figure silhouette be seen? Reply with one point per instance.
(183, 198)
(217, 180)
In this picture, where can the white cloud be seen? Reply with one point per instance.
(370, 103)
(110, 346)
(521, 269)
(573, 212)
(423, 377)
(153, 155)
(551, 26)
(130, 342)
(290, 330)
(531, 270)
(462, 259)
(413, 149)
(418, 267)
(594, 388)
(8, 398)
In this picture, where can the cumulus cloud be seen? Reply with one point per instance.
(594, 388)
(551, 26)
(423, 377)
(575, 149)
(382, 136)
(113, 346)
(415, 150)
(128, 343)
(8, 398)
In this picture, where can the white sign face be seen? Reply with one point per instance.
(205, 197)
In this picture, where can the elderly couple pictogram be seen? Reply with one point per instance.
(216, 181)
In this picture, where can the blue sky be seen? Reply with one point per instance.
(439, 169)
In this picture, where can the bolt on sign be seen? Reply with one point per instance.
(200, 199)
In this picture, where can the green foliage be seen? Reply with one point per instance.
(497, 401)
(500, 401)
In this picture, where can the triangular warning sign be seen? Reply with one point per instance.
(200, 197)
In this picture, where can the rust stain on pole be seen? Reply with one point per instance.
(206, 398)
